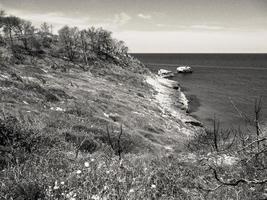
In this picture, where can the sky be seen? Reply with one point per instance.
(159, 26)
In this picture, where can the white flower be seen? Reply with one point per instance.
(92, 160)
(78, 172)
(131, 190)
(121, 162)
(56, 187)
(153, 186)
(62, 183)
(95, 197)
(86, 164)
(69, 194)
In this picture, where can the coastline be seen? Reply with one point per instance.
(174, 102)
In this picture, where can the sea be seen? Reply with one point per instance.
(222, 86)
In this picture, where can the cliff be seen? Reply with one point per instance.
(151, 110)
(109, 131)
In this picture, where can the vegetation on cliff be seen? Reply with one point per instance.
(79, 121)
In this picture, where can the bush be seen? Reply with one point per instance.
(15, 142)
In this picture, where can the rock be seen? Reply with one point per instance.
(184, 69)
(194, 123)
(140, 95)
(114, 116)
(25, 102)
(165, 73)
(57, 109)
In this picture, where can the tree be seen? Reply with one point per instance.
(46, 35)
(121, 48)
(2, 13)
(45, 28)
(10, 25)
(69, 38)
(25, 33)
(84, 45)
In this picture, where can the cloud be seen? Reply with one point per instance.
(188, 41)
(121, 19)
(199, 27)
(55, 18)
(206, 27)
(59, 19)
(143, 16)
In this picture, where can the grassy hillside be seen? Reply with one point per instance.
(55, 119)
(82, 103)
(81, 119)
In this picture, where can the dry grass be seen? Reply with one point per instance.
(54, 141)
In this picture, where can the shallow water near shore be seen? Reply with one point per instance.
(222, 85)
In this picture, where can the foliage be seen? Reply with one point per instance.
(239, 162)
(68, 158)
(81, 46)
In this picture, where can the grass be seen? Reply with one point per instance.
(55, 143)
(44, 165)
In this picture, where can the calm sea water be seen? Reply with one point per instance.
(220, 83)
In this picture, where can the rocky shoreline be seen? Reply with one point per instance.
(173, 101)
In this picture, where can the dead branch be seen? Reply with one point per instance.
(118, 150)
(242, 115)
(210, 189)
(257, 111)
(109, 139)
(234, 182)
(78, 148)
(119, 145)
(255, 141)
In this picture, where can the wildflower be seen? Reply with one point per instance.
(95, 197)
(78, 172)
(131, 190)
(69, 195)
(107, 172)
(62, 183)
(153, 186)
(86, 164)
(92, 160)
(56, 186)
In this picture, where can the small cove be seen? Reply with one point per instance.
(220, 84)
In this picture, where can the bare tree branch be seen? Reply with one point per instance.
(78, 148)
(234, 182)
(255, 141)
(109, 139)
(119, 145)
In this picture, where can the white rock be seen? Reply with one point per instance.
(57, 109)
(25, 102)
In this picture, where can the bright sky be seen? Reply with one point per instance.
(159, 26)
